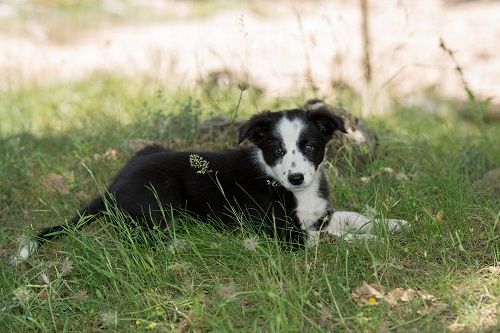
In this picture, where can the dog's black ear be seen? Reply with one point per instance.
(256, 128)
(327, 122)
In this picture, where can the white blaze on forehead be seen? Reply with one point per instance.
(293, 161)
(289, 130)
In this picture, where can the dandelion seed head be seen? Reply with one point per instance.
(324, 316)
(177, 245)
(228, 291)
(82, 295)
(109, 319)
(22, 294)
(251, 243)
(66, 266)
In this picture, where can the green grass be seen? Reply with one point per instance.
(114, 278)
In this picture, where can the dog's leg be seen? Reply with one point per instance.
(393, 224)
(313, 238)
(347, 223)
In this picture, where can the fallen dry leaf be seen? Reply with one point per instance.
(111, 154)
(485, 318)
(367, 294)
(55, 183)
(481, 318)
(394, 295)
(488, 315)
(372, 293)
(495, 270)
(440, 215)
(406, 295)
(426, 296)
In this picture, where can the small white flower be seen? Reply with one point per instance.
(365, 179)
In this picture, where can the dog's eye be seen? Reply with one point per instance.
(278, 151)
(308, 148)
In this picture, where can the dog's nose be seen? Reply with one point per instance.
(296, 178)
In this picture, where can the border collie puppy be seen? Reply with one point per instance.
(277, 185)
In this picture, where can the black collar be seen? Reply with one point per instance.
(323, 221)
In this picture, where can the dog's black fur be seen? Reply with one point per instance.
(234, 183)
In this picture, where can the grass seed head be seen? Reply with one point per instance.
(199, 164)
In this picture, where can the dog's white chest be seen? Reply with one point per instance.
(310, 206)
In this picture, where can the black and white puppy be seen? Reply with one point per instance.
(277, 185)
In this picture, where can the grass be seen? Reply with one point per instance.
(114, 278)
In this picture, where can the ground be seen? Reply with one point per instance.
(61, 143)
(278, 45)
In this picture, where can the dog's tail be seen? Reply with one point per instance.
(84, 217)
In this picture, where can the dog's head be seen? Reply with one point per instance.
(292, 143)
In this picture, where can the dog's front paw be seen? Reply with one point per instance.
(396, 225)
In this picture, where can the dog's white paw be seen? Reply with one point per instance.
(313, 238)
(396, 225)
(353, 226)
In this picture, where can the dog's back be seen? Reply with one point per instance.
(278, 185)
